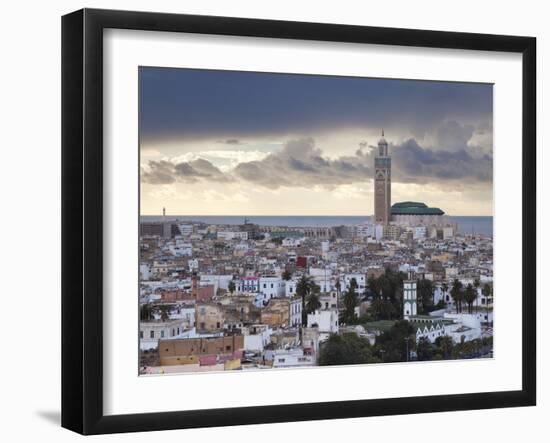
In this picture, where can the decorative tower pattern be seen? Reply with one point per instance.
(409, 299)
(382, 184)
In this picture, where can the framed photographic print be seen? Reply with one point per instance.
(268, 221)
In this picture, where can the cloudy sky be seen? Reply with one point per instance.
(242, 143)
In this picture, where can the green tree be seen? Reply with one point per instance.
(424, 349)
(383, 310)
(145, 312)
(287, 275)
(303, 288)
(425, 294)
(350, 302)
(470, 295)
(164, 311)
(374, 287)
(231, 287)
(456, 294)
(346, 349)
(387, 288)
(445, 345)
(395, 344)
(312, 300)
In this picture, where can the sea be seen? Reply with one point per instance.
(482, 225)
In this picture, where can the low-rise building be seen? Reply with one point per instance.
(151, 331)
(209, 317)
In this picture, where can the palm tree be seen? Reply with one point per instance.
(374, 286)
(164, 311)
(145, 312)
(304, 287)
(313, 302)
(456, 294)
(287, 275)
(470, 296)
(350, 302)
(446, 344)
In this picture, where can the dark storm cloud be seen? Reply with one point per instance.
(232, 141)
(167, 172)
(192, 104)
(301, 164)
(412, 163)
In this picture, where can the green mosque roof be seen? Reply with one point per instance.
(414, 208)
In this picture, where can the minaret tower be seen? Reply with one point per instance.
(382, 184)
(409, 298)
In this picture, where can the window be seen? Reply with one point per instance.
(162, 334)
(152, 334)
(140, 334)
(218, 325)
(228, 348)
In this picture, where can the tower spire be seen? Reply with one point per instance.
(382, 132)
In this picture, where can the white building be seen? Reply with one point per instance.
(185, 229)
(144, 271)
(419, 232)
(290, 288)
(181, 249)
(379, 232)
(295, 314)
(256, 337)
(271, 287)
(431, 331)
(283, 358)
(232, 235)
(248, 284)
(325, 320)
(150, 332)
(466, 327)
(361, 280)
(218, 281)
(364, 230)
(193, 264)
(291, 242)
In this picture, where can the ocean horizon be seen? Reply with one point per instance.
(466, 224)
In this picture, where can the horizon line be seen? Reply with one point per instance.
(288, 215)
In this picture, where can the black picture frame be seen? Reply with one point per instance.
(82, 218)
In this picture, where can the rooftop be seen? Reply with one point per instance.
(414, 208)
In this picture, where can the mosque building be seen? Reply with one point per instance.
(403, 214)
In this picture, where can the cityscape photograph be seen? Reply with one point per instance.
(297, 221)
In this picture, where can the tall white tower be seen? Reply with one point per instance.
(409, 299)
(382, 184)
